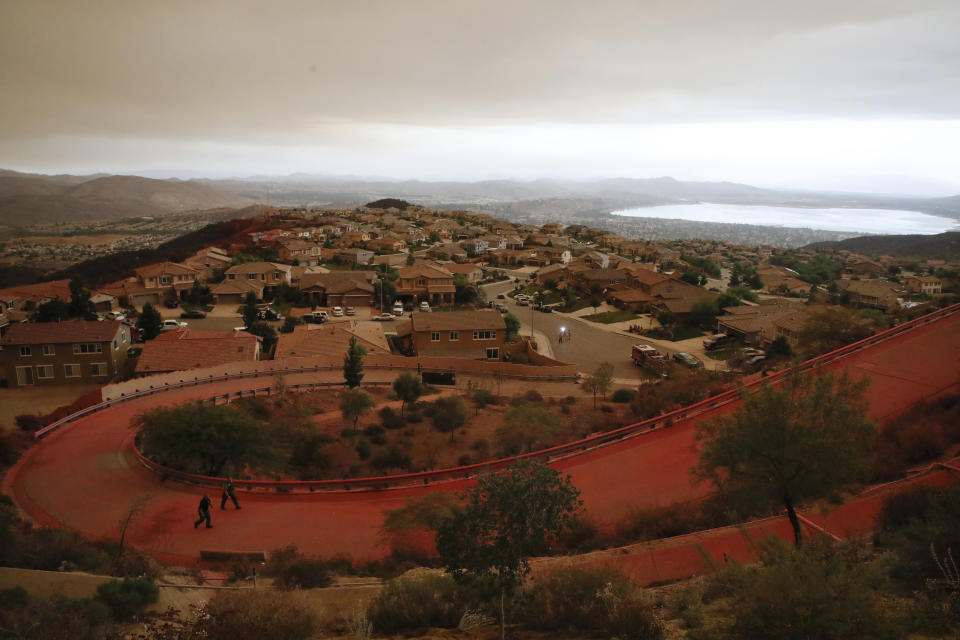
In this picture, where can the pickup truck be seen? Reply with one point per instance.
(317, 317)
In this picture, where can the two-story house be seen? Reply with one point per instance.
(425, 281)
(267, 274)
(161, 280)
(53, 353)
(477, 335)
(931, 285)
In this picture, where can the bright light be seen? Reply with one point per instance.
(563, 329)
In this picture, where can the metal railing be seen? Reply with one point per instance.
(551, 454)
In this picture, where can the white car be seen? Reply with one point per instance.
(384, 317)
(337, 312)
(351, 311)
(425, 306)
(397, 310)
(115, 315)
(173, 325)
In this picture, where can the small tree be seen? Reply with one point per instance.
(599, 382)
(249, 309)
(513, 326)
(353, 363)
(266, 333)
(449, 413)
(149, 322)
(780, 347)
(55, 310)
(408, 388)
(80, 304)
(508, 517)
(354, 403)
(783, 445)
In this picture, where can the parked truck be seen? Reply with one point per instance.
(643, 355)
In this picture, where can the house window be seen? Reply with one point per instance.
(454, 336)
(484, 334)
(49, 350)
(164, 279)
(434, 336)
(421, 282)
(24, 350)
(24, 376)
(276, 275)
(493, 353)
(251, 276)
(71, 370)
(45, 372)
(100, 368)
(87, 347)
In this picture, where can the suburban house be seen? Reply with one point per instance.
(162, 280)
(387, 244)
(267, 274)
(355, 255)
(867, 268)
(76, 351)
(235, 291)
(472, 272)
(206, 261)
(930, 285)
(425, 282)
(758, 324)
(340, 288)
(302, 251)
(875, 294)
(187, 349)
(477, 335)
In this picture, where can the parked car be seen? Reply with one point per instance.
(501, 296)
(397, 310)
(337, 312)
(115, 315)
(171, 303)
(351, 311)
(173, 325)
(687, 360)
(754, 363)
(716, 341)
(269, 314)
(425, 306)
(502, 308)
(317, 317)
(193, 315)
(384, 317)
(546, 308)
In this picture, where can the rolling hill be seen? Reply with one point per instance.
(943, 246)
(35, 199)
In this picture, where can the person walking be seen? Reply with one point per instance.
(228, 492)
(203, 509)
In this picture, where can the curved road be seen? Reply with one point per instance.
(85, 477)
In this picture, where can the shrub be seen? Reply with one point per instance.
(414, 416)
(29, 422)
(391, 419)
(257, 614)
(814, 591)
(623, 395)
(532, 395)
(291, 570)
(128, 597)
(12, 446)
(449, 413)
(580, 599)
(410, 604)
(392, 458)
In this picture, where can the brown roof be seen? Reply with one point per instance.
(457, 320)
(424, 269)
(188, 349)
(60, 332)
(53, 289)
(328, 340)
(163, 267)
(632, 295)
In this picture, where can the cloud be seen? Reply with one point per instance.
(345, 77)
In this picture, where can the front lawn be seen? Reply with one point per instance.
(609, 317)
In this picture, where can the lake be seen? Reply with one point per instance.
(878, 221)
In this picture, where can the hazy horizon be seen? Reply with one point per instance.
(859, 96)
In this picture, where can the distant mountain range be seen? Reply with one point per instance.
(37, 199)
(31, 198)
(943, 246)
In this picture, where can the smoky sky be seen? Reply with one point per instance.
(404, 87)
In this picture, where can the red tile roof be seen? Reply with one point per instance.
(62, 332)
(187, 349)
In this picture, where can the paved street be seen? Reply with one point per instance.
(591, 343)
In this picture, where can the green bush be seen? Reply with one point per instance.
(290, 570)
(275, 615)
(623, 395)
(410, 604)
(588, 599)
(449, 413)
(128, 597)
(814, 591)
(391, 419)
(51, 618)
